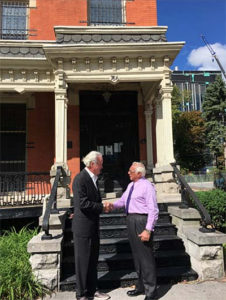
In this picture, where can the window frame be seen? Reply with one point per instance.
(122, 23)
(20, 33)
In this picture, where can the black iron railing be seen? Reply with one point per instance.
(16, 34)
(23, 188)
(51, 206)
(186, 195)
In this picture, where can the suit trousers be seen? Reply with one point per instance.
(86, 251)
(142, 252)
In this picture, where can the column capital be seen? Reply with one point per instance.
(60, 82)
(148, 108)
(148, 113)
(165, 92)
(61, 95)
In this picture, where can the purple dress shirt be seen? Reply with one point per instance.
(143, 201)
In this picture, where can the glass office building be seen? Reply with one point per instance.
(193, 86)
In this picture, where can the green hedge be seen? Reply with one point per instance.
(215, 203)
(16, 279)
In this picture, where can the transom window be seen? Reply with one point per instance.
(106, 12)
(14, 20)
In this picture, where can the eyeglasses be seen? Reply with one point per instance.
(131, 171)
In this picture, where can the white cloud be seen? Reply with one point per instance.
(203, 60)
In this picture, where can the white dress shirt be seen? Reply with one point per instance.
(93, 176)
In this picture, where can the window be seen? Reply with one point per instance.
(12, 137)
(106, 12)
(14, 20)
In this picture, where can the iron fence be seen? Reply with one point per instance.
(16, 34)
(23, 188)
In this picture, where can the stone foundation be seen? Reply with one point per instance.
(46, 254)
(205, 249)
(164, 180)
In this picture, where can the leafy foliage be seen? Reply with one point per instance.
(189, 140)
(176, 102)
(17, 280)
(215, 203)
(214, 113)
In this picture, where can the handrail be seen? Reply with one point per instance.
(207, 224)
(51, 203)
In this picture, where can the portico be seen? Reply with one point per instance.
(98, 60)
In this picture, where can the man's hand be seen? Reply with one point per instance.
(108, 207)
(145, 236)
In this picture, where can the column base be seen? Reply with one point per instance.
(165, 182)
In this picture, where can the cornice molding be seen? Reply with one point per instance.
(109, 29)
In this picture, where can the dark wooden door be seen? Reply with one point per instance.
(111, 127)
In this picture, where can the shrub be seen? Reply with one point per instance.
(17, 281)
(215, 203)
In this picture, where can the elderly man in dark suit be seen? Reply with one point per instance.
(85, 226)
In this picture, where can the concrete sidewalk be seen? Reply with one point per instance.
(206, 290)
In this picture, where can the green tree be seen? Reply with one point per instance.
(176, 100)
(189, 140)
(214, 113)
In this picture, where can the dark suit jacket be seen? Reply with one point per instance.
(87, 206)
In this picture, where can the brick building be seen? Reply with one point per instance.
(82, 75)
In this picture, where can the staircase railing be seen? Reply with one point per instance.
(186, 195)
(51, 206)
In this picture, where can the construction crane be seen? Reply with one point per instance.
(213, 53)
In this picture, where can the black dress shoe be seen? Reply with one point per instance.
(134, 293)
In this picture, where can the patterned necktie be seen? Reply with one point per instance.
(128, 199)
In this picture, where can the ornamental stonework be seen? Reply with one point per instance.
(109, 38)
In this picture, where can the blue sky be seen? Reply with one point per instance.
(186, 21)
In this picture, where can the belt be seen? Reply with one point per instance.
(136, 214)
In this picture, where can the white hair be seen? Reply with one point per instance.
(91, 157)
(139, 168)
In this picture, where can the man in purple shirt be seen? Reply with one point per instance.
(140, 203)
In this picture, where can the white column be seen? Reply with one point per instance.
(61, 103)
(167, 125)
(148, 118)
(160, 148)
(61, 127)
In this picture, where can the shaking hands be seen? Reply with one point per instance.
(108, 207)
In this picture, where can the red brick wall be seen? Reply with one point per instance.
(50, 13)
(41, 133)
(141, 12)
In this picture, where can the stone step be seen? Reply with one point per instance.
(120, 231)
(121, 261)
(120, 218)
(126, 278)
(121, 245)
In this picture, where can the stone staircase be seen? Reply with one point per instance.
(115, 266)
